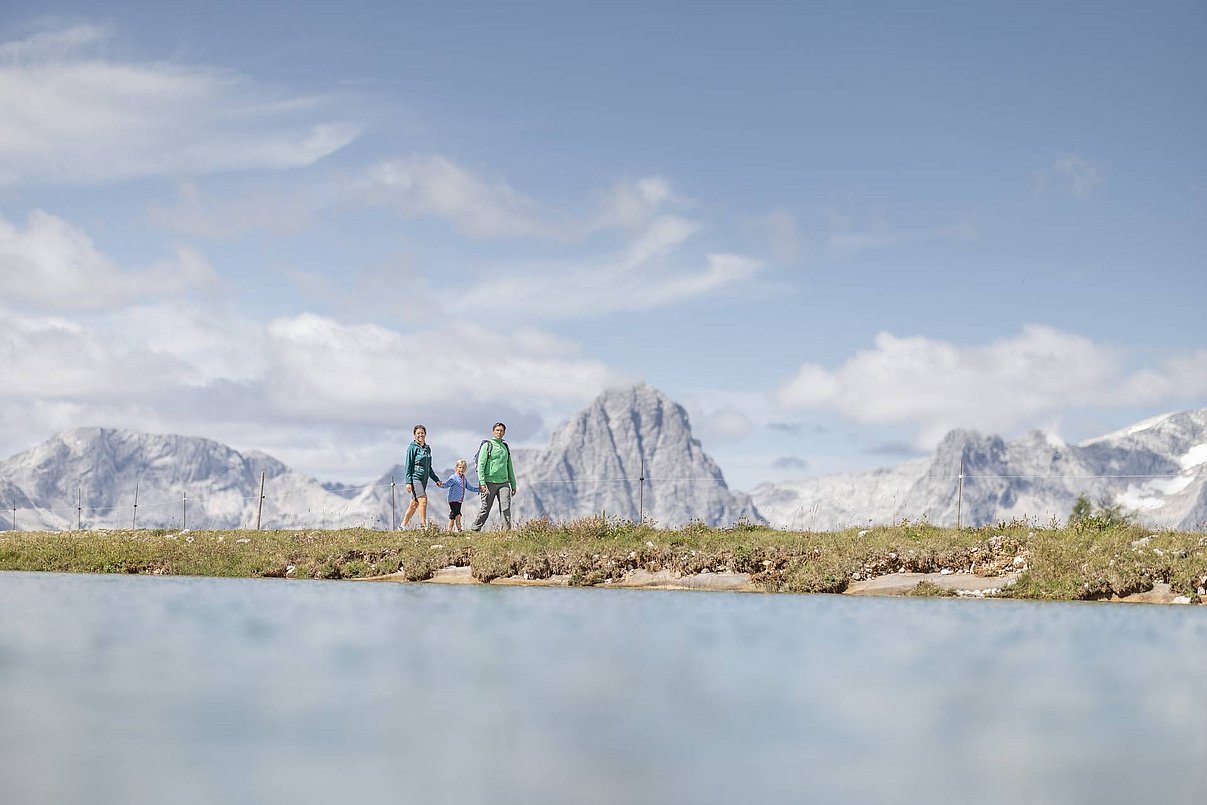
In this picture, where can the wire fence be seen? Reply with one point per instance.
(958, 499)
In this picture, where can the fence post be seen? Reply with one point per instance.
(184, 520)
(79, 508)
(134, 520)
(260, 502)
(14, 518)
(393, 515)
(641, 494)
(960, 495)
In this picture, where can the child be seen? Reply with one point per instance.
(418, 469)
(457, 484)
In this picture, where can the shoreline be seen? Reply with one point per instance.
(1010, 560)
(958, 585)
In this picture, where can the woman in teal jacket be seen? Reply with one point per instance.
(418, 469)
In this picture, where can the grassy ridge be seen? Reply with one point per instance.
(1078, 562)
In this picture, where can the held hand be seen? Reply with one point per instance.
(409, 488)
(482, 489)
(439, 484)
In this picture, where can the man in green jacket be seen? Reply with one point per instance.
(496, 476)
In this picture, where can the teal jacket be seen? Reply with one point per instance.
(494, 463)
(418, 464)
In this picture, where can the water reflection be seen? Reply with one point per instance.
(131, 689)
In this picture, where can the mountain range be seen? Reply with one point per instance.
(91, 477)
(596, 462)
(1155, 469)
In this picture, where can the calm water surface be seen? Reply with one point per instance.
(118, 689)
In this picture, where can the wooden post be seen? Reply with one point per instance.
(184, 522)
(960, 495)
(260, 502)
(134, 520)
(641, 494)
(393, 512)
(79, 509)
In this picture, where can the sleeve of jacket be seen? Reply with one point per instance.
(408, 465)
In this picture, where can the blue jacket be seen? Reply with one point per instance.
(418, 464)
(457, 487)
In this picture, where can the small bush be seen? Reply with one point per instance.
(927, 589)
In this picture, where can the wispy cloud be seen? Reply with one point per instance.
(69, 117)
(196, 215)
(481, 207)
(1071, 173)
(937, 385)
(777, 235)
(724, 424)
(576, 291)
(426, 184)
(51, 265)
(792, 464)
(650, 268)
(850, 242)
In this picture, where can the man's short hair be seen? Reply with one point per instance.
(498, 425)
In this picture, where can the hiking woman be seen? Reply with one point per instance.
(418, 469)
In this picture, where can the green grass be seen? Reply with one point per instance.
(1055, 563)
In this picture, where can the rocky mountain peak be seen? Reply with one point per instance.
(1156, 469)
(595, 463)
(976, 450)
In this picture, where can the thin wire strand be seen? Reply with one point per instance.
(275, 501)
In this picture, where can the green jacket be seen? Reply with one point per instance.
(494, 463)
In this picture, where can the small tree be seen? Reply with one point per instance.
(1105, 516)
(1082, 509)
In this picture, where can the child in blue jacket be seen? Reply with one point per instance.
(456, 485)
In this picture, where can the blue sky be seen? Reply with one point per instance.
(833, 231)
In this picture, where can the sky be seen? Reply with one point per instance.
(832, 231)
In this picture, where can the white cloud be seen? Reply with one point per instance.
(1073, 174)
(215, 344)
(434, 185)
(882, 237)
(578, 291)
(1188, 373)
(649, 274)
(664, 235)
(724, 424)
(311, 388)
(937, 385)
(778, 235)
(325, 369)
(56, 360)
(631, 204)
(267, 210)
(71, 118)
(54, 43)
(51, 265)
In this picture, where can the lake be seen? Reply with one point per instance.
(130, 689)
